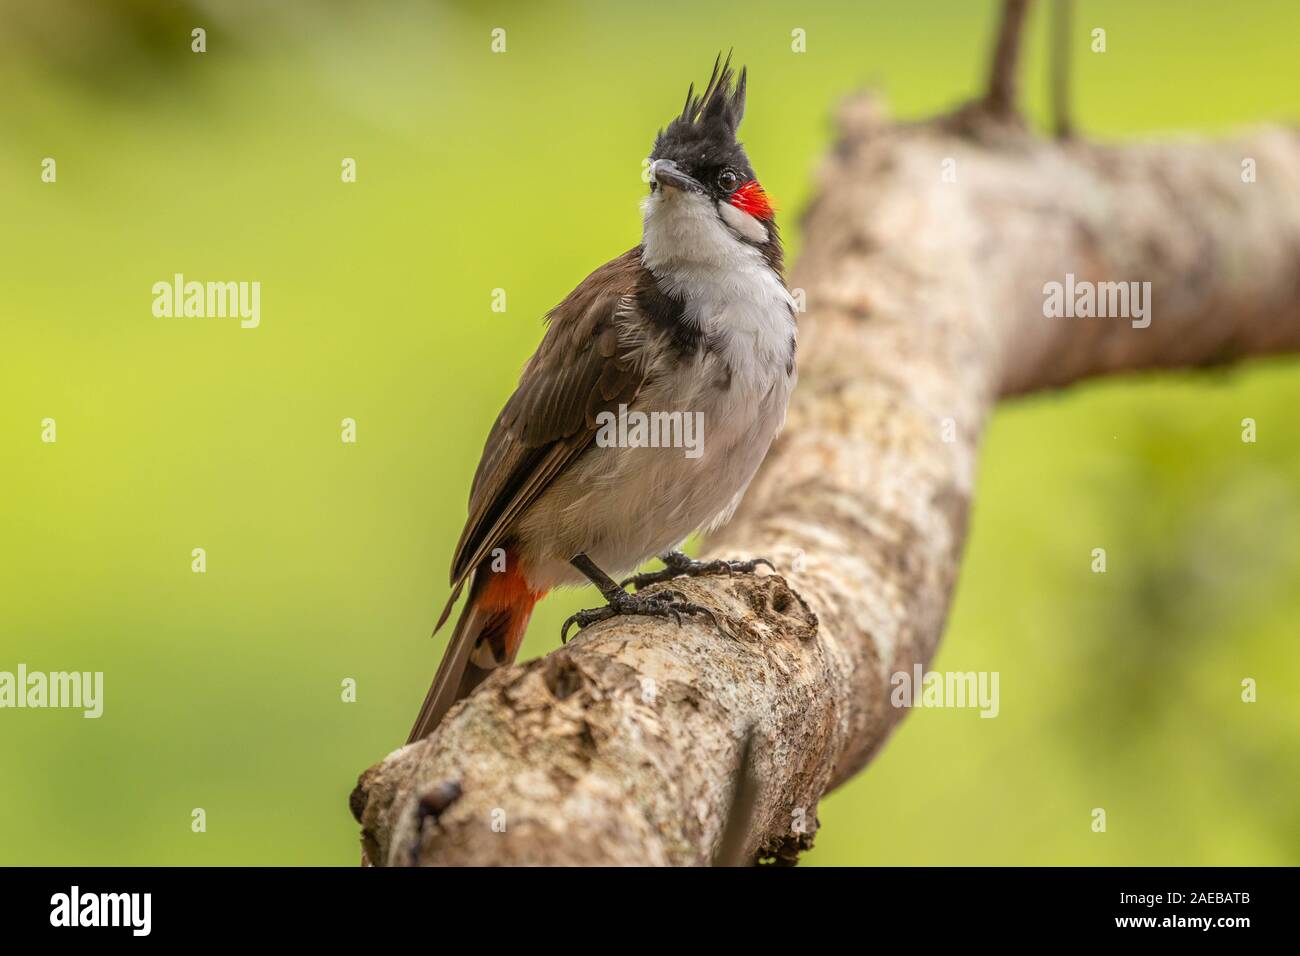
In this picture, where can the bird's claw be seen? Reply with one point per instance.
(677, 564)
(667, 603)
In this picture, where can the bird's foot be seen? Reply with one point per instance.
(665, 603)
(677, 564)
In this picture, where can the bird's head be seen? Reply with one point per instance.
(705, 200)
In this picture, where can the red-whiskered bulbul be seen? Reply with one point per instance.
(695, 320)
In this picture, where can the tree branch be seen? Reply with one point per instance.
(926, 304)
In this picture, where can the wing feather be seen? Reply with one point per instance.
(582, 367)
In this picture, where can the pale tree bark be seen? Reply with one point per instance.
(924, 263)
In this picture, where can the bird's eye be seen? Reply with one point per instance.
(727, 179)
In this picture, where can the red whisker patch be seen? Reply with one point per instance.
(751, 199)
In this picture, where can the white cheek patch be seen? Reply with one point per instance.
(742, 223)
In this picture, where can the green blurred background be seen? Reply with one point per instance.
(328, 561)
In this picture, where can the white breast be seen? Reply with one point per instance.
(623, 506)
(731, 293)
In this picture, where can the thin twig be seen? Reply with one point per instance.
(735, 833)
(1001, 96)
(1062, 18)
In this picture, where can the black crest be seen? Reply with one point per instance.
(703, 138)
(719, 105)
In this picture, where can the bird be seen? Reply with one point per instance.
(693, 326)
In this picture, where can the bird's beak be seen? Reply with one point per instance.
(667, 173)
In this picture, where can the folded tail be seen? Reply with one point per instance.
(487, 636)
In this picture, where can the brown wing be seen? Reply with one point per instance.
(580, 369)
